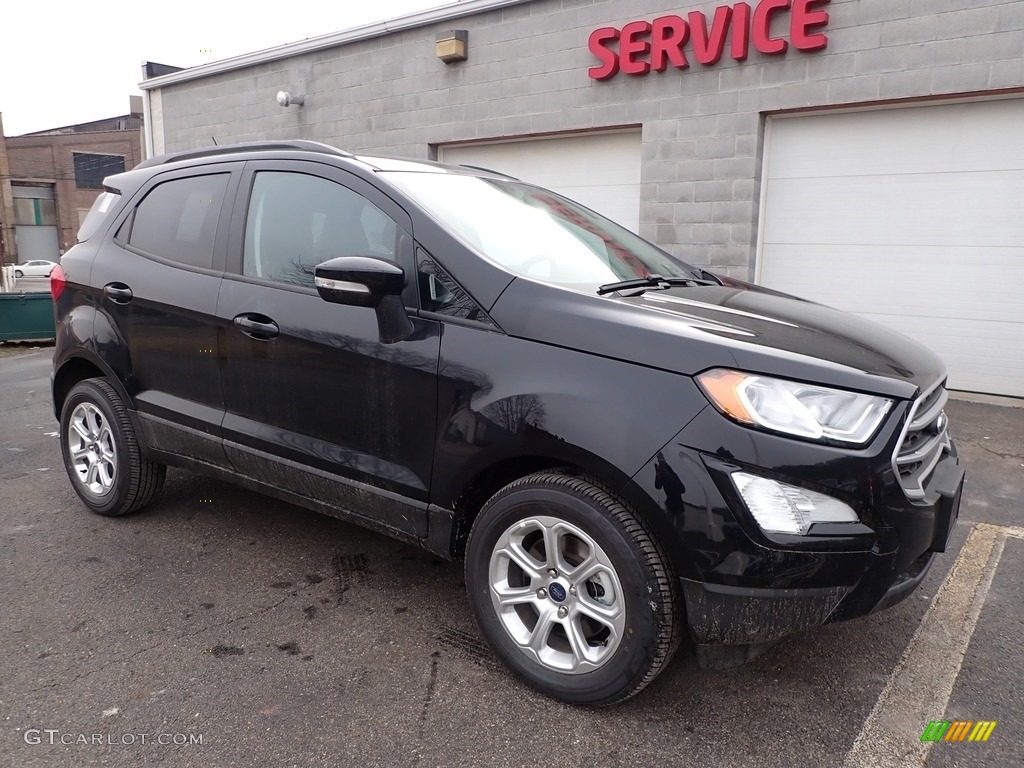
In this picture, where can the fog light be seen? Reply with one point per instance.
(781, 508)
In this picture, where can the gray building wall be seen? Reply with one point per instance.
(702, 128)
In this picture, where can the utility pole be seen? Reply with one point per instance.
(8, 249)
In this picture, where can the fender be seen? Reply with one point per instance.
(507, 401)
(65, 376)
(112, 348)
(77, 335)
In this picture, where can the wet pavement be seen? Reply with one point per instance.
(275, 636)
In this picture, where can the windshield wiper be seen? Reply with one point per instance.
(651, 281)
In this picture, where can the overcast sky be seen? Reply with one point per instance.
(71, 61)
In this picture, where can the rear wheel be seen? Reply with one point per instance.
(102, 454)
(571, 589)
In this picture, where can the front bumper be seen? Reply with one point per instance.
(732, 625)
(744, 590)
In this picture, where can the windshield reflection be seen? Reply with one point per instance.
(535, 232)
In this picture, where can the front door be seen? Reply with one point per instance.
(315, 403)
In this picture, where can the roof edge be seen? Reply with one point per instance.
(46, 132)
(422, 18)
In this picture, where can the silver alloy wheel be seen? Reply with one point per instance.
(92, 449)
(557, 594)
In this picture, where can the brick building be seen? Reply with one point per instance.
(49, 180)
(861, 153)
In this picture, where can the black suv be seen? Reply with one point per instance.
(623, 448)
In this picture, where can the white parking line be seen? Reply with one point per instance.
(920, 686)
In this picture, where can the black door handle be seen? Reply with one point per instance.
(119, 293)
(257, 327)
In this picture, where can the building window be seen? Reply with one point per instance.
(91, 169)
(33, 212)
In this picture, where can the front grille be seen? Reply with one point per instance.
(924, 441)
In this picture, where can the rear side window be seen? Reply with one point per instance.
(101, 207)
(177, 220)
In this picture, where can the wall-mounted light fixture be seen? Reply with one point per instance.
(452, 45)
(285, 99)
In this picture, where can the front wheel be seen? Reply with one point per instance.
(571, 589)
(18, 274)
(102, 454)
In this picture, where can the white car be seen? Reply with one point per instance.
(37, 268)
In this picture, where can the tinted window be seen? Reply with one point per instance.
(296, 221)
(439, 293)
(97, 215)
(177, 220)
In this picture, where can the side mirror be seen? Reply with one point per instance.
(360, 281)
(363, 281)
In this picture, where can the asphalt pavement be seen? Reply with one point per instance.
(221, 628)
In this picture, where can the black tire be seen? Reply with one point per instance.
(123, 480)
(628, 657)
(18, 274)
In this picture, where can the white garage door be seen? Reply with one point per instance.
(911, 217)
(601, 171)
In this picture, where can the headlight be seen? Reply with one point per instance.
(781, 508)
(793, 408)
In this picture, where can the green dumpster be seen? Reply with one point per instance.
(26, 317)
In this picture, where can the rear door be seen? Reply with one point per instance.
(315, 403)
(158, 279)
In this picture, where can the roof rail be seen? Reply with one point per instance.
(301, 145)
(488, 170)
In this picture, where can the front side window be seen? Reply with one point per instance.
(537, 233)
(296, 221)
(177, 220)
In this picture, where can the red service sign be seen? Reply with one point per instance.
(673, 40)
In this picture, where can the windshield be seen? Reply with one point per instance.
(537, 233)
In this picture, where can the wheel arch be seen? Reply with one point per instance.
(79, 367)
(487, 480)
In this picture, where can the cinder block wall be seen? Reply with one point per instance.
(527, 73)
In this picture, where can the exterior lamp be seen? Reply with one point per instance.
(286, 99)
(452, 45)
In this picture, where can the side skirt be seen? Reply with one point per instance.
(411, 521)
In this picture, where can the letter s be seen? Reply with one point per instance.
(598, 45)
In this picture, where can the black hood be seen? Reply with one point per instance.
(691, 329)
